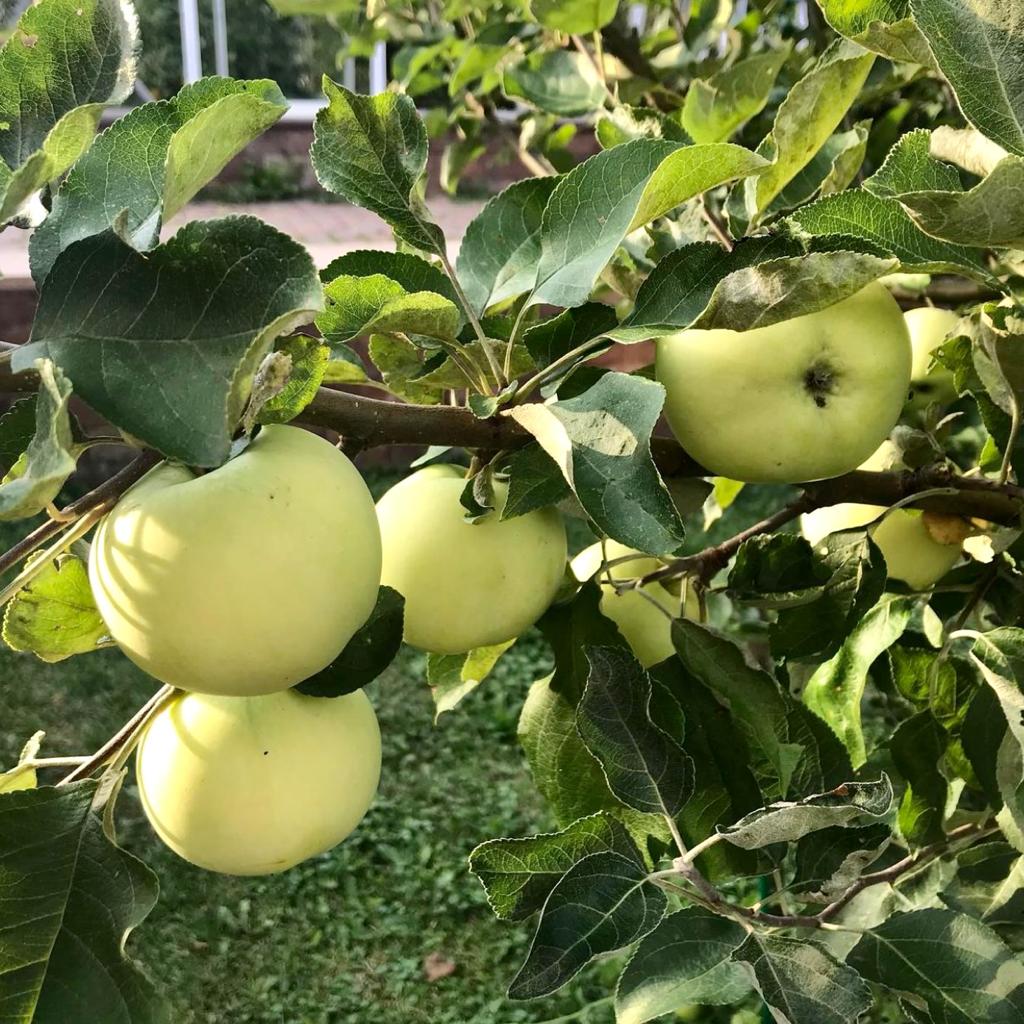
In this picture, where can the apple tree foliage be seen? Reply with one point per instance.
(815, 808)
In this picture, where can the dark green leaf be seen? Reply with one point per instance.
(801, 982)
(367, 654)
(684, 961)
(979, 47)
(645, 768)
(519, 874)
(372, 151)
(534, 482)
(602, 904)
(70, 899)
(170, 355)
(17, 428)
(560, 335)
(413, 273)
(148, 164)
(957, 965)
(910, 167)
(601, 442)
(829, 861)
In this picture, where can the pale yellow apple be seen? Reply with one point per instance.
(254, 785)
(647, 630)
(804, 399)
(911, 542)
(465, 584)
(245, 580)
(929, 328)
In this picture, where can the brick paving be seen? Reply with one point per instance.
(326, 229)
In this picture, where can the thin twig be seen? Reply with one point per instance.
(126, 734)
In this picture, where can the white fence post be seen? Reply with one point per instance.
(191, 44)
(220, 38)
(379, 69)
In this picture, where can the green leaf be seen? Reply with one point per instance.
(801, 982)
(598, 203)
(958, 966)
(601, 442)
(724, 787)
(372, 151)
(552, 339)
(830, 170)
(989, 215)
(829, 861)
(452, 676)
(500, 249)
(816, 621)
(54, 616)
(884, 26)
(979, 47)
(63, 54)
(835, 689)
(357, 306)
(682, 284)
(561, 82)
(367, 654)
(910, 167)
(715, 108)
(684, 961)
(792, 750)
(400, 363)
(989, 884)
(883, 223)
(519, 874)
(999, 654)
(624, 123)
(148, 164)
(782, 289)
(917, 747)
(804, 121)
(69, 138)
(37, 476)
(310, 360)
(69, 901)
(788, 821)
(578, 17)
(645, 768)
(534, 482)
(169, 356)
(982, 734)
(601, 904)
(413, 273)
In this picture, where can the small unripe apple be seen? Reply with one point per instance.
(804, 399)
(254, 785)
(647, 630)
(466, 584)
(245, 580)
(919, 548)
(929, 328)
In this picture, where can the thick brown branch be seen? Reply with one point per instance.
(370, 422)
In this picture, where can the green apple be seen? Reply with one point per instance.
(245, 580)
(929, 328)
(465, 584)
(919, 548)
(805, 399)
(254, 785)
(647, 630)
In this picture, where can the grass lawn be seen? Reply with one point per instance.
(340, 939)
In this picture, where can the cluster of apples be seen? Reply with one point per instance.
(237, 584)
